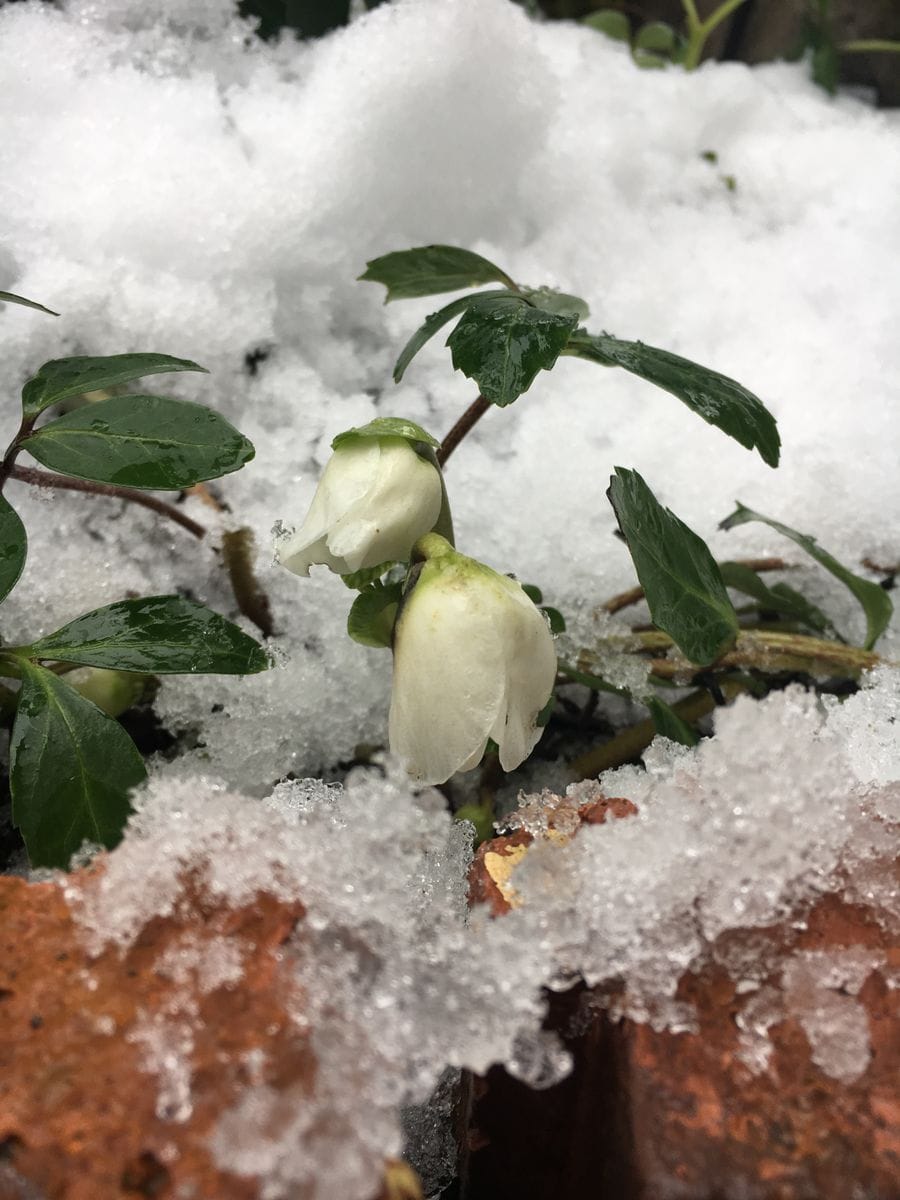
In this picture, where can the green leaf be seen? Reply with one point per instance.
(502, 343)
(13, 547)
(387, 427)
(607, 20)
(551, 300)
(141, 442)
(826, 65)
(373, 613)
(64, 377)
(433, 323)
(656, 36)
(533, 592)
(71, 768)
(358, 580)
(717, 399)
(12, 298)
(780, 598)
(682, 583)
(426, 270)
(875, 601)
(156, 635)
(667, 722)
(555, 618)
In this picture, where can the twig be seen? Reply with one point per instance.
(473, 414)
(633, 595)
(68, 484)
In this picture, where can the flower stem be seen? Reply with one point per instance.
(699, 31)
(132, 495)
(470, 417)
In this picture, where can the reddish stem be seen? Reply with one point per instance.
(470, 417)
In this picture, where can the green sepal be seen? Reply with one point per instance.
(681, 580)
(13, 547)
(12, 298)
(667, 722)
(62, 377)
(358, 580)
(387, 427)
(428, 270)
(373, 614)
(875, 602)
(71, 769)
(716, 398)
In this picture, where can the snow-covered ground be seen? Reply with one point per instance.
(170, 183)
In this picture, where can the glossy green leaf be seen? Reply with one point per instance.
(13, 547)
(373, 613)
(71, 769)
(717, 399)
(680, 578)
(502, 343)
(875, 601)
(562, 303)
(64, 377)
(387, 427)
(780, 598)
(141, 442)
(157, 635)
(667, 723)
(611, 22)
(12, 298)
(427, 270)
(433, 323)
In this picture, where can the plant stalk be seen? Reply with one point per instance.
(467, 421)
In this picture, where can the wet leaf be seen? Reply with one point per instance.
(387, 427)
(427, 270)
(13, 547)
(71, 769)
(156, 635)
(373, 613)
(717, 399)
(141, 442)
(680, 578)
(780, 599)
(875, 601)
(62, 377)
(502, 343)
(433, 323)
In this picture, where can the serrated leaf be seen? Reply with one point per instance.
(12, 298)
(611, 22)
(71, 769)
(387, 427)
(680, 578)
(156, 635)
(427, 270)
(667, 723)
(554, 301)
(13, 547)
(717, 399)
(875, 601)
(373, 613)
(62, 377)
(502, 343)
(780, 598)
(433, 323)
(141, 442)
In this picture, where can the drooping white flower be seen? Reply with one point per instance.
(377, 495)
(473, 659)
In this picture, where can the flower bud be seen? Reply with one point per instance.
(473, 659)
(376, 497)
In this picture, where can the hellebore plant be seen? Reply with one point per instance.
(474, 657)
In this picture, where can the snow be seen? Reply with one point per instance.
(173, 184)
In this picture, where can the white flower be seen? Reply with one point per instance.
(473, 659)
(375, 498)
